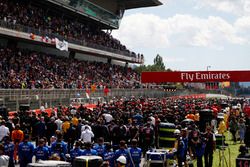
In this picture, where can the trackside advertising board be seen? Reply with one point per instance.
(195, 76)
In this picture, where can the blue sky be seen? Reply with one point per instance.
(191, 34)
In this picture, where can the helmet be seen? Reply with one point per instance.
(177, 131)
(122, 160)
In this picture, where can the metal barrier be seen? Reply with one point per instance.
(12, 98)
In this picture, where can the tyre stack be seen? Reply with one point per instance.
(166, 135)
(88, 161)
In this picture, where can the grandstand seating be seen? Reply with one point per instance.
(34, 70)
(24, 16)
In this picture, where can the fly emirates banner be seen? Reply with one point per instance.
(195, 76)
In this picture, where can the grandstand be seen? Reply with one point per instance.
(85, 25)
(32, 34)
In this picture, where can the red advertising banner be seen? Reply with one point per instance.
(195, 76)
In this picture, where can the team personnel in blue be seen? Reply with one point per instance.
(76, 152)
(199, 146)
(59, 147)
(109, 155)
(135, 154)
(88, 150)
(122, 151)
(41, 152)
(100, 147)
(25, 151)
(181, 146)
(9, 150)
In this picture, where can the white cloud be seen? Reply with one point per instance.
(173, 59)
(148, 30)
(143, 30)
(237, 7)
(243, 24)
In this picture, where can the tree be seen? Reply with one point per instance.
(157, 66)
(158, 63)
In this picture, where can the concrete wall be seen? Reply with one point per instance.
(43, 49)
(87, 57)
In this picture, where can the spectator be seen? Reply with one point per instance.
(4, 159)
(72, 134)
(59, 123)
(44, 19)
(233, 128)
(148, 137)
(87, 135)
(51, 129)
(4, 131)
(242, 130)
(41, 128)
(43, 71)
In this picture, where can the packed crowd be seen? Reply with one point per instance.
(33, 70)
(15, 12)
(124, 127)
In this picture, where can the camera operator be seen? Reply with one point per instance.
(210, 147)
(198, 142)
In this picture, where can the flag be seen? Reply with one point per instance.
(62, 45)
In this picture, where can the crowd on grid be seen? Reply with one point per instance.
(33, 70)
(124, 127)
(15, 12)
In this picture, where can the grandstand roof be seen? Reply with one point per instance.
(131, 4)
